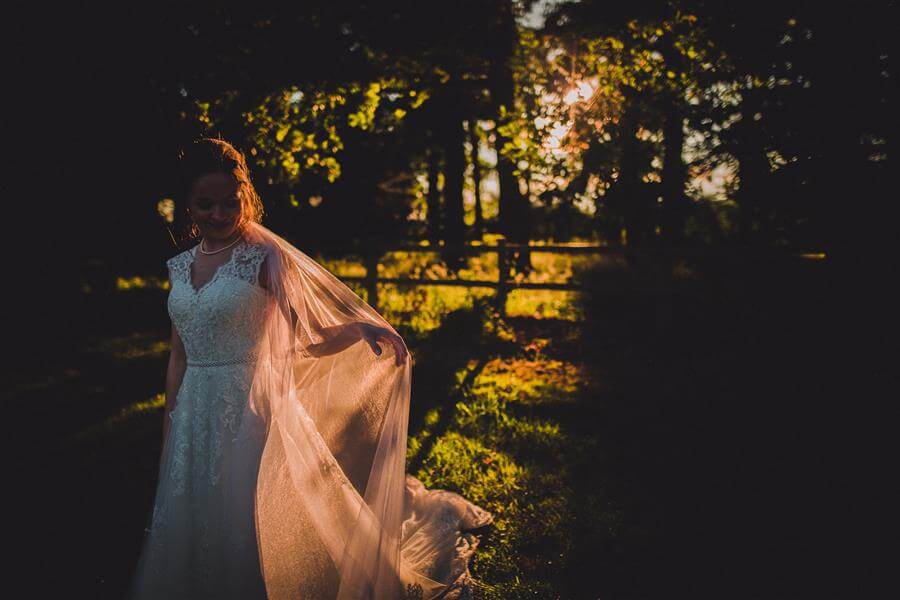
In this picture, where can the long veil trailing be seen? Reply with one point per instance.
(331, 478)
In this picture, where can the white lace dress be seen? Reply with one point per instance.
(201, 542)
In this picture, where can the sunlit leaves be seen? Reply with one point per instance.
(364, 116)
(296, 132)
(443, 76)
(166, 209)
(203, 113)
(576, 85)
(418, 98)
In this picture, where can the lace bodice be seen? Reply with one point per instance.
(221, 322)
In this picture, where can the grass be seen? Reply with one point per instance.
(517, 466)
(474, 376)
(614, 440)
(503, 438)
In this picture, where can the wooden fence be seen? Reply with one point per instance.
(503, 284)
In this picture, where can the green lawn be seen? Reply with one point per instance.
(632, 446)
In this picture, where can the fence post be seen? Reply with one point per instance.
(502, 274)
(371, 264)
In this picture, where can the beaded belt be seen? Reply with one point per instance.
(221, 363)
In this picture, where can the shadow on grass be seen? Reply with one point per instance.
(714, 436)
(447, 362)
(85, 459)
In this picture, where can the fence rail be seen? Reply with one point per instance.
(503, 284)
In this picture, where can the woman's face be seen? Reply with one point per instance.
(215, 205)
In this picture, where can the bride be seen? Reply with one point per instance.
(282, 472)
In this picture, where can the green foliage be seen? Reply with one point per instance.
(297, 131)
(298, 134)
(364, 117)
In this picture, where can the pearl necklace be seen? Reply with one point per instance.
(220, 249)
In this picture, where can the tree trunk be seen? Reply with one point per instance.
(514, 208)
(433, 211)
(676, 204)
(753, 170)
(638, 208)
(454, 177)
(476, 175)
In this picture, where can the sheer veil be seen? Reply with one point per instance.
(333, 501)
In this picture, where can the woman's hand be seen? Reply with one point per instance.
(372, 334)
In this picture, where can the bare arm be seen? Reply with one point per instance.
(174, 375)
(339, 337)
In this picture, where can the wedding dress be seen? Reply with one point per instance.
(283, 472)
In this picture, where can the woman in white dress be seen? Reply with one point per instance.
(282, 472)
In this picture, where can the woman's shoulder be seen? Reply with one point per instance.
(254, 251)
(180, 260)
(260, 253)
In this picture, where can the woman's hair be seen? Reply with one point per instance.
(207, 155)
